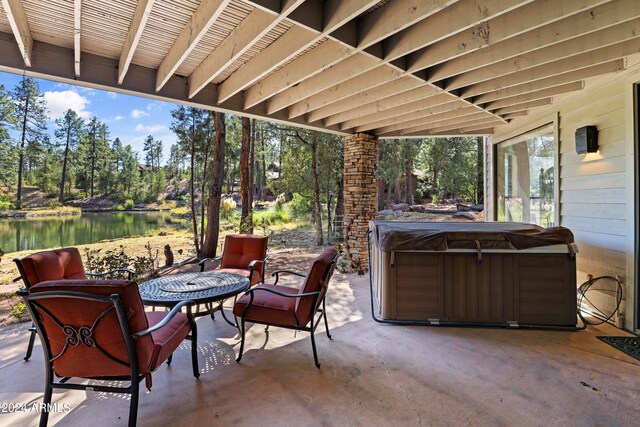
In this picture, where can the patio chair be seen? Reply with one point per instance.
(244, 254)
(286, 307)
(99, 330)
(58, 264)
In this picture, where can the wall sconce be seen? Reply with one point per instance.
(586, 140)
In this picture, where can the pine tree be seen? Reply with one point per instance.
(8, 120)
(69, 133)
(31, 110)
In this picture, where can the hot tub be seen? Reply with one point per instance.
(485, 273)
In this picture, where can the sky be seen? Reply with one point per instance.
(129, 118)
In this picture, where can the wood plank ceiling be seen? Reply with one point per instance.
(393, 68)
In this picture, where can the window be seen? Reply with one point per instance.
(525, 176)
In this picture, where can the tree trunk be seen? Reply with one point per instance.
(329, 196)
(215, 189)
(337, 217)
(316, 194)
(93, 162)
(21, 158)
(480, 170)
(245, 177)
(263, 191)
(64, 166)
(408, 172)
(252, 169)
(192, 191)
(202, 187)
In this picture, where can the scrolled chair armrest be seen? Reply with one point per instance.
(175, 310)
(277, 273)
(130, 273)
(282, 294)
(203, 261)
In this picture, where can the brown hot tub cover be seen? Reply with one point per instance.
(392, 236)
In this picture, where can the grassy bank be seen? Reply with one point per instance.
(40, 212)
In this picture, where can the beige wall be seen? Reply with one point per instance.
(595, 191)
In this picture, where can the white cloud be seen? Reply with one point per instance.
(112, 95)
(149, 128)
(60, 101)
(136, 114)
(118, 118)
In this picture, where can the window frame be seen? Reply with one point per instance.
(530, 127)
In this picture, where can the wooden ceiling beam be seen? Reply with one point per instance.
(568, 64)
(315, 61)
(420, 123)
(352, 66)
(449, 134)
(77, 33)
(430, 102)
(457, 17)
(471, 125)
(202, 19)
(20, 27)
(139, 21)
(560, 79)
(503, 27)
(418, 113)
(364, 82)
(565, 29)
(606, 44)
(390, 19)
(516, 114)
(523, 106)
(335, 14)
(538, 94)
(252, 29)
(383, 91)
(472, 118)
(383, 104)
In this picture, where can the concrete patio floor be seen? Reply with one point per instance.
(371, 374)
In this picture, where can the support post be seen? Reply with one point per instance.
(360, 194)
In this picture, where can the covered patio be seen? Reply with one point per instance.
(371, 374)
(369, 70)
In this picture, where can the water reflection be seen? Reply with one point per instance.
(42, 233)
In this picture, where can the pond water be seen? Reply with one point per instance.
(42, 233)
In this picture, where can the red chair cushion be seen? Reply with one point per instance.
(241, 249)
(58, 264)
(257, 276)
(83, 361)
(313, 282)
(269, 308)
(167, 338)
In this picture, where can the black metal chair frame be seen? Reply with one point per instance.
(83, 336)
(315, 308)
(23, 275)
(251, 267)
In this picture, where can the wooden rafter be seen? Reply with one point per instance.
(252, 28)
(139, 21)
(77, 33)
(20, 27)
(200, 22)
(526, 19)
(334, 14)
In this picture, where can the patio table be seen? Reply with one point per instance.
(203, 288)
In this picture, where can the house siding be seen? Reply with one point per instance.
(595, 190)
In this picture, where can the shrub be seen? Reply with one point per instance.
(5, 205)
(300, 205)
(117, 258)
(118, 207)
(128, 204)
(226, 207)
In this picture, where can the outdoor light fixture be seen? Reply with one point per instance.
(586, 140)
